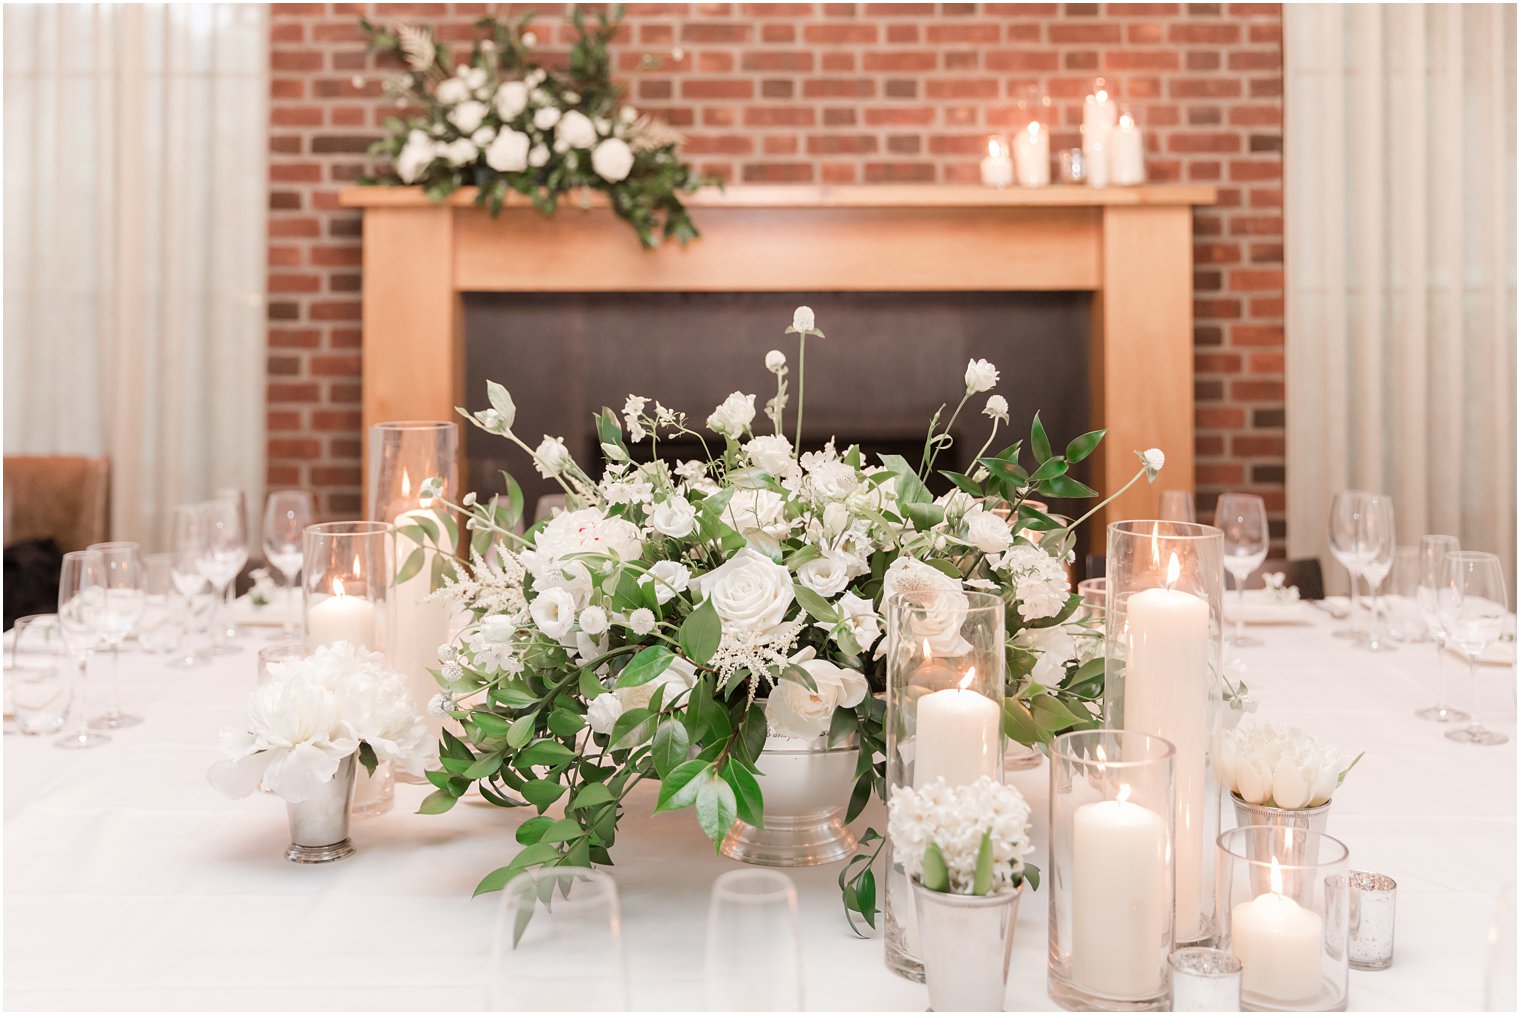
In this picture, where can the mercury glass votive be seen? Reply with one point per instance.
(1204, 979)
(1372, 913)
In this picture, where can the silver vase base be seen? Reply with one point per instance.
(791, 843)
(320, 854)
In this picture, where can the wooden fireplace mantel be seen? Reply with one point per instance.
(1129, 246)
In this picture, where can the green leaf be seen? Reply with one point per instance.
(865, 896)
(924, 516)
(563, 830)
(521, 730)
(936, 875)
(717, 807)
(593, 794)
(981, 881)
(411, 567)
(544, 752)
(565, 722)
(437, 802)
(1019, 724)
(1081, 447)
(679, 788)
(527, 857)
(671, 745)
(842, 724)
(1032, 875)
(501, 401)
(490, 725)
(542, 792)
(632, 728)
(532, 830)
(485, 765)
(816, 606)
(747, 796)
(1065, 486)
(1050, 469)
(963, 483)
(367, 757)
(588, 684)
(700, 633)
(1039, 443)
(645, 666)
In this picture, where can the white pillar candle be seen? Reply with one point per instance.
(1279, 943)
(341, 617)
(1126, 153)
(420, 626)
(997, 167)
(1166, 693)
(1031, 153)
(1099, 114)
(1121, 906)
(957, 736)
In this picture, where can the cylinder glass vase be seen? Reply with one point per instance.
(347, 585)
(1162, 639)
(1283, 909)
(945, 673)
(1111, 821)
(413, 473)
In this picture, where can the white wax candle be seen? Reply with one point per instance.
(341, 617)
(420, 627)
(997, 167)
(1166, 693)
(1031, 152)
(1121, 904)
(957, 738)
(1279, 944)
(1126, 153)
(1099, 113)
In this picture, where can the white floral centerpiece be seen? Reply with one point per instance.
(311, 715)
(675, 616)
(964, 840)
(1275, 765)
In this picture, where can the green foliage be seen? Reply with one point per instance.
(936, 876)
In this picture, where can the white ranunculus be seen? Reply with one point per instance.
(674, 517)
(612, 160)
(980, 376)
(775, 361)
(603, 712)
(509, 152)
(760, 517)
(594, 620)
(772, 453)
(468, 116)
(576, 130)
(988, 531)
(802, 319)
(551, 456)
(678, 679)
(545, 118)
(826, 575)
(453, 91)
(553, 612)
(861, 619)
(669, 579)
(750, 593)
(538, 157)
(511, 99)
(413, 159)
(941, 605)
(792, 710)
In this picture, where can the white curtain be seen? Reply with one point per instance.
(135, 197)
(1400, 230)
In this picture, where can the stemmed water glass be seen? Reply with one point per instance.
(226, 551)
(1473, 605)
(1242, 517)
(1347, 546)
(189, 549)
(286, 515)
(82, 618)
(38, 675)
(226, 616)
(754, 952)
(1433, 553)
(1177, 506)
(1379, 542)
(123, 609)
(549, 922)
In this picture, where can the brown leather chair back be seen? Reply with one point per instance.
(62, 497)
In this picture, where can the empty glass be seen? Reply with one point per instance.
(1379, 543)
(286, 516)
(1401, 606)
(1347, 534)
(123, 609)
(188, 539)
(1242, 517)
(224, 554)
(82, 620)
(1433, 551)
(38, 674)
(1177, 506)
(161, 624)
(754, 950)
(559, 944)
(1473, 605)
(225, 616)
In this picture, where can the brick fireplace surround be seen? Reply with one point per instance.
(820, 93)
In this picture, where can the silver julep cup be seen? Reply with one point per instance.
(319, 825)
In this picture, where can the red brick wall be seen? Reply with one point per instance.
(821, 93)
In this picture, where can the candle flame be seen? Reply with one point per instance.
(1033, 128)
(1173, 569)
(995, 148)
(1125, 120)
(1123, 793)
(338, 586)
(406, 484)
(928, 652)
(1156, 544)
(1276, 877)
(965, 683)
(357, 570)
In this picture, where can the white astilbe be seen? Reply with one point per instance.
(647, 134)
(493, 584)
(762, 657)
(417, 47)
(955, 818)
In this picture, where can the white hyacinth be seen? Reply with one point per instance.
(955, 818)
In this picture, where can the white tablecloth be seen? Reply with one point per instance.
(130, 884)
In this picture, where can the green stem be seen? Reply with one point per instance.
(1105, 501)
(801, 375)
(932, 450)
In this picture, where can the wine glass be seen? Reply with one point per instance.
(1379, 542)
(189, 549)
(754, 952)
(124, 608)
(1346, 546)
(38, 674)
(226, 551)
(225, 615)
(1474, 609)
(82, 618)
(286, 515)
(1177, 506)
(1242, 517)
(1433, 553)
(559, 943)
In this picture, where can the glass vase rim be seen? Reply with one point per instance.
(777, 886)
(414, 424)
(353, 528)
(1158, 749)
(1469, 555)
(1170, 529)
(1311, 838)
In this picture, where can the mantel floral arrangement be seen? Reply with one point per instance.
(673, 617)
(504, 122)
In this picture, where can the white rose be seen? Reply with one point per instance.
(733, 416)
(576, 130)
(497, 629)
(483, 137)
(413, 159)
(980, 376)
(792, 710)
(679, 678)
(772, 453)
(511, 99)
(509, 152)
(553, 611)
(861, 619)
(612, 160)
(751, 594)
(538, 156)
(988, 531)
(802, 319)
(760, 517)
(669, 579)
(453, 91)
(603, 712)
(674, 517)
(775, 361)
(826, 575)
(941, 606)
(551, 457)
(468, 116)
(461, 152)
(546, 118)
(594, 620)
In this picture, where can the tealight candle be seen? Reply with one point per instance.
(1279, 943)
(957, 736)
(341, 617)
(997, 167)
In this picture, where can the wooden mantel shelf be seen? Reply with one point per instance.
(1131, 247)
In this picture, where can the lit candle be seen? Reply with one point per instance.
(1126, 153)
(1166, 693)
(341, 617)
(1121, 908)
(1279, 943)
(1099, 113)
(957, 736)
(420, 626)
(997, 167)
(1031, 152)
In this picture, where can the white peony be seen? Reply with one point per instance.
(576, 130)
(553, 612)
(988, 531)
(577, 532)
(826, 575)
(551, 456)
(675, 517)
(760, 517)
(792, 710)
(750, 593)
(511, 99)
(594, 620)
(603, 712)
(509, 152)
(546, 118)
(468, 116)
(980, 376)
(802, 319)
(733, 416)
(612, 160)
(775, 361)
(669, 579)
(940, 606)
(772, 453)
